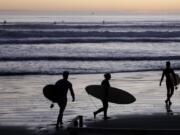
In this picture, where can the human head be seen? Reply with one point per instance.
(168, 64)
(107, 76)
(65, 74)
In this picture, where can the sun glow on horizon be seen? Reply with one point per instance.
(92, 5)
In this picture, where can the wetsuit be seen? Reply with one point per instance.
(170, 76)
(105, 84)
(62, 87)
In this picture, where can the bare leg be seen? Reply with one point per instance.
(98, 111)
(104, 108)
(171, 93)
(105, 104)
(168, 95)
(62, 106)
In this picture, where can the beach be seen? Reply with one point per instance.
(35, 50)
(23, 104)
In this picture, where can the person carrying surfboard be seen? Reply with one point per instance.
(170, 81)
(62, 87)
(106, 85)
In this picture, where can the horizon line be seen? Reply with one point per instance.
(90, 12)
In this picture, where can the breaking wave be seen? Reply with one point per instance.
(88, 33)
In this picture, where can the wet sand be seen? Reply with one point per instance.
(22, 102)
(15, 130)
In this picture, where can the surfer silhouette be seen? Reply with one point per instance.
(105, 84)
(170, 81)
(62, 87)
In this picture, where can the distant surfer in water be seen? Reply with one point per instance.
(105, 84)
(170, 81)
(62, 87)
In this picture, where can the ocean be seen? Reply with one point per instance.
(35, 49)
(42, 44)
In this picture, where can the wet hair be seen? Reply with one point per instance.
(106, 75)
(65, 74)
(168, 63)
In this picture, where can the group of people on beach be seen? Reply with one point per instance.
(63, 85)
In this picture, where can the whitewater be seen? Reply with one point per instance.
(31, 45)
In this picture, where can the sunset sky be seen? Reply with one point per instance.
(92, 5)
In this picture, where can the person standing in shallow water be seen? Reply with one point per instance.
(62, 87)
(105, 84)
(170, 76)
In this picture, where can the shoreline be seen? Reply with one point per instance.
(30, 74)
(23, 104)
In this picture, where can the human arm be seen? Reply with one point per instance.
(162, 77)
(72, 93)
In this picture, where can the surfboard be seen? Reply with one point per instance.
(49, 92)
(116, 95)
(177, 79)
